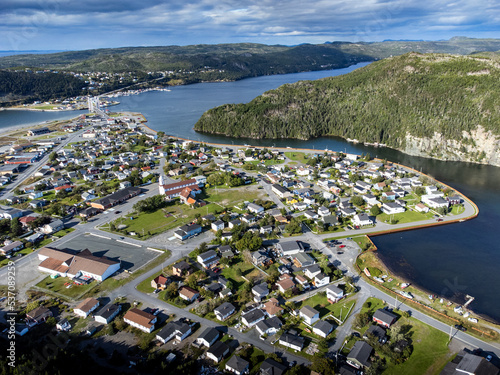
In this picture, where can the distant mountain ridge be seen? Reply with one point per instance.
(435, 105)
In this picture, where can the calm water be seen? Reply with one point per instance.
(451, 260)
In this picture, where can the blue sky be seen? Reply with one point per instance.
(86, 24)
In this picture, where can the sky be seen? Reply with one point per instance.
(88, 24)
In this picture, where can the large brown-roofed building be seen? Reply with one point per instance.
(76, 264)
(85, 307)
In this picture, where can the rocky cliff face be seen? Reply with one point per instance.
(478, 146)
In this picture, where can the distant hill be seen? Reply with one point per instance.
(438, 105)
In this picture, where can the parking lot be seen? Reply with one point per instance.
(131, 257)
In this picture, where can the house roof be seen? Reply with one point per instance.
(219, 349)
(261, 289)
(323, 326)
(187, 291)
(271, 367)
(109, 310)
(334, 289)
(384, 316)
(173, 327)
(182, 265)
(140, 317)
(38, 312)
(286, 284)
(237, 363)
(254, 315)
(309, 311)
(290, 246)
(272, 307)
(292, 339)
(376, 331)
(207, 255)
(224, 309)
(160, 279)
(361, 353)
(209, 334)
(87, 304)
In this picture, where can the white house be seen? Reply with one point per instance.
(420, 207)
(177, 330)
(255, 208)
(224, 311)
(334, 293)
(309, 314)
(140, 319)
(217, 225)
(85, 307)
(362, 220)
(392, 208)
(292, 341)
(322, 328)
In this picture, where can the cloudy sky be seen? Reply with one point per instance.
(85, 24)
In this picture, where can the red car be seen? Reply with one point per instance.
(439, 219)
(341, 246)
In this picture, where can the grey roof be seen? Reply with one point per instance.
(376, 331)
(207, 255)
(172, 327)
(271, 367)
(309, 311)
(313, 269)
(109, 310)
(360, 353)
(219, 349)
(469, 363)
(224, 309)
(254, 315)
(209, 335)
(292, 339)
(385, 316)
(237, 363)
(261, 289)
(324, 327)
(289, 246)
(273, 322)
(334, 289)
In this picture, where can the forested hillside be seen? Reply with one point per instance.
(436, 105)
(44, 86)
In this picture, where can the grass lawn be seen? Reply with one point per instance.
(145, 286)
(57, 286)
(231, 197)
(297, 156)
(266, 162)
(247, 270)
(363, 242)
(430, 351)
(405, 217)
(64, 232)
(320, 303)
(457, 209)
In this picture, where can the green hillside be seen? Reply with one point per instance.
(413, 94)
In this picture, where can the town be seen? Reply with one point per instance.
(220, 258)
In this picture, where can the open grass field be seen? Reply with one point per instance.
(430, 351)
(296, 156)
(58, 286)
(405, 217)
(247, 270)
(325, 308)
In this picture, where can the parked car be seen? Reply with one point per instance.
(489, 357)
(460, 327)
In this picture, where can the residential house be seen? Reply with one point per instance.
(237, 365)
(234, 223)
(188, 294)
(285, 285)
(217, 225)
(208, 337)
(38, 315)
(174, 330)
(116, 198)
(253, 317)
(470, 364)
(311, 215)
(322, 328)
(12, 247)
(362, 220)
(384, 317)
(359, 356)
(86, 307)
(321, 280)
(272, 307)
(260, 291)
(420, 207)
(376, 331)
(288, 248)
(208, 258)
(302, 281)
(63, 325)
(224, 311)
(260, 258)
(159, 282)
(107, 313)
(182, 269)
(255, 208)
(312, 271)
(334, 294)
(140, 319)
(309, 314)
(271, 367)
(302, 260)
(434, 202)
(186, 231)
(323, 211)
(294, 342)
(218, 351)
(391, 208)
(53, 227)
(269, 326)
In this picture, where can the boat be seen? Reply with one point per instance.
(405, 285)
